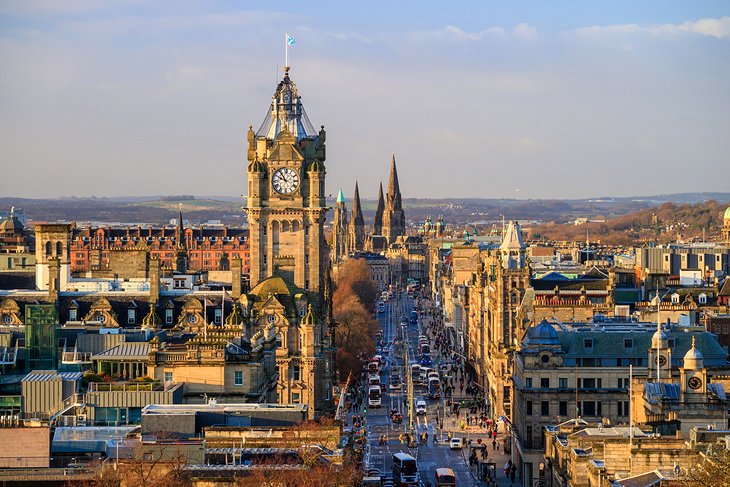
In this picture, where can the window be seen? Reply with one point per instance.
(587, 383)
(725, 329)
(563, 382)
(295, 397)
(529, 408)
(623, 408)
(628, 343)
(131, 317)
(168, 376)
(238, 378)
(544, 408)
(296, 372)
(329, 391)
(545, 382)
(623, 382)
(563, 408)
(528, 382)
(168, 316)
(588, 342)
(73, 315)
(528, 437)
(218, 314)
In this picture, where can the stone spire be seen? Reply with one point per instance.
(340, 229)
(394, 219)
(394, 197)
(378, 223)
(356, 241)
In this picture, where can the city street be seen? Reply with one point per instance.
(429, 456)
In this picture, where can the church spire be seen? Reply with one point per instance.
(394, 196)
(357, 217)
(356, 234)
(378, 223)
(394, 219)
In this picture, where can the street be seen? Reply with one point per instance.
(429, 456)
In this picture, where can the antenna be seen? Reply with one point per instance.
(659, 329)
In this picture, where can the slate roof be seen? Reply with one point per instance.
(125, 351)
(46, 375)
(610, 344)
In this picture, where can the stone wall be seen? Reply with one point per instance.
(25, 447)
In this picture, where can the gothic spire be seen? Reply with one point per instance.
(357, 217)
(378, 223)
(394, 197)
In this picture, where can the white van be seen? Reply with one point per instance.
(420, 407)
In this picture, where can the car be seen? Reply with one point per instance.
(456, 443)
(426, 360)
(397, 418)
(386, 349)
(420, 407)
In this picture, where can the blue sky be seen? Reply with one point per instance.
(491, 99)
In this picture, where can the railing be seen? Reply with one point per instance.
(8, 357)
(71, 401)
(124, 386)
(76, 357)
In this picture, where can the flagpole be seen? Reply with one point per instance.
(205, 318)
(286, 49)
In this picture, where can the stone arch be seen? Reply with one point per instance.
(295, 226)
(59, 249)
(285, 226)
(49, 248)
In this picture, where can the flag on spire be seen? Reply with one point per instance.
(290, 40)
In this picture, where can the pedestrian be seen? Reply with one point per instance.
(512, 473)
(494, 445)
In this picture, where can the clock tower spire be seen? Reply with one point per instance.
(286, 193)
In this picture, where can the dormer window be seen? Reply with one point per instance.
(73, 315)
(131, 316)
(588, 342)
(702, 298)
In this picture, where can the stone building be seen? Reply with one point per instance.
(286, 208)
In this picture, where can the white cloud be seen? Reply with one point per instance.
(524, 32)
(718, 28)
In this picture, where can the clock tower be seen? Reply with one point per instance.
(693, 376)
(286, 194)
(660, 357)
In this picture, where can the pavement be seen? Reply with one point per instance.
(429, 456)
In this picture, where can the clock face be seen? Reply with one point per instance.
(8, 319)
(192, 318)
(285, 180)
(662, 360)
(272, 318)
(694, 383)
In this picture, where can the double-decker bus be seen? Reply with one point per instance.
(445, 477)
(405, 469)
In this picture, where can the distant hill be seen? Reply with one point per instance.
(665, 223)
(457, 212)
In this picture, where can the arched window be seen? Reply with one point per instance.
(279, 340)
(49, 248)
(702, 298)
(675, 298)
(59, 249)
